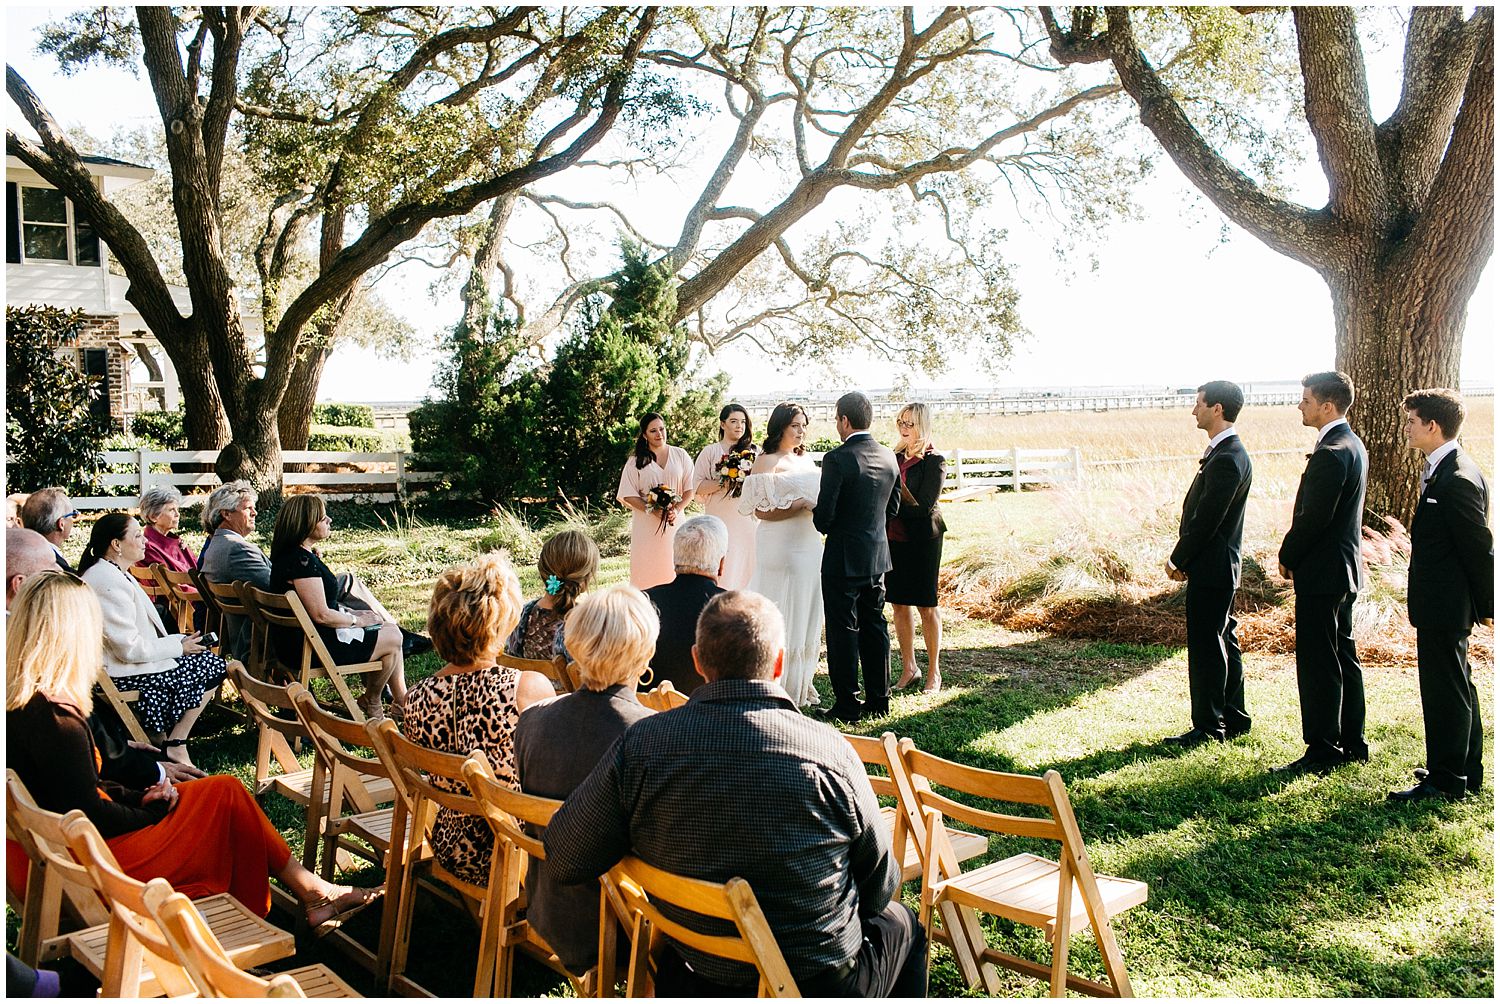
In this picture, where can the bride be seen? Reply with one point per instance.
(781, 491)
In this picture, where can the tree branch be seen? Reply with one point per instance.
(1337, 100)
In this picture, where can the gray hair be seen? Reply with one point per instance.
(226, 498)
(45, 508)
(700, 543)
(155, 499)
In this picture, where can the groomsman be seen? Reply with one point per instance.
(1450, 587)
(1207, 557)
(1320, 554)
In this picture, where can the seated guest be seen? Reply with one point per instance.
(205, 837)
(354, 629)
(738, 782)
(229, 517)
(472, 704)
(160, 511)
(174, 673)
(135, 765)
(13, 504)
(567, 566)
(698, 558)
(50, 513)
(611, 634)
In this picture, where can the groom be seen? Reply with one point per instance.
(856, 497)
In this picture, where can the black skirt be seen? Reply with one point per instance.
(913, 578)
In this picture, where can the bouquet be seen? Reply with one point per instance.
(733, 468)
(660, 500)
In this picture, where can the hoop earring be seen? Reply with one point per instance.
(646, 677)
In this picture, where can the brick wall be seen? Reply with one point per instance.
(97, 332)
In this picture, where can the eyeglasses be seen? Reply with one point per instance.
(905, 426)
(72, 515)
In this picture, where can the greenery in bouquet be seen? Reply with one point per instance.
(660, 500)
(733, 468)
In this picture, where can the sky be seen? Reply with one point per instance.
(1177, 297)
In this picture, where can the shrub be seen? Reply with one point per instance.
(345, 439)
(50, 436)
(162, 430)
(336, 413)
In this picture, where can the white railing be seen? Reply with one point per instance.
(1011, 468)
(393, 476)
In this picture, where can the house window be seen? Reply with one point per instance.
(42, 226)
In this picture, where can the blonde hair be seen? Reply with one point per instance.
(474, 606)
(54, 642)
(921, 420)
(612, 636)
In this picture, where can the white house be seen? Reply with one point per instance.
(53, 257)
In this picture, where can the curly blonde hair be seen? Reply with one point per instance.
(474, 607)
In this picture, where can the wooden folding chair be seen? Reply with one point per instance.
(554, 669)
(227, 599)
(58, 892)
(285, 611)
(663, 697)
(897, 816)
(123, 701)
(505, 929)
(179, 602)
(1059, 897)
(133, 941)
(213, 614)
(642, 887)
(574, 677)
(413, 769)
(212, 971)
(357, 785)
(146, 576)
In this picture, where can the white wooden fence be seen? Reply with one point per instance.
(970, 472)
(390, 482)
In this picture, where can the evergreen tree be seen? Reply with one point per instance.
(50, 436)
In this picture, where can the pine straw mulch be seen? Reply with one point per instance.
(1157, 619)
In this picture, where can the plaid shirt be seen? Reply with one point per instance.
(738, 782)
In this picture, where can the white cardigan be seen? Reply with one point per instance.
(135, 641)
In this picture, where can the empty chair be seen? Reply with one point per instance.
(643, 888)
(212, 970)
(1059, 897)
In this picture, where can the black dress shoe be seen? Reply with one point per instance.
(1421, 792)
(414, 644)
(1358, 754)
(1306, 765)
(1235, 731)
(1193, 737)
(868, 710)
(841, 714)
(1472, 783)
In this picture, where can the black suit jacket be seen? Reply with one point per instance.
(1213, 518)
(856, 497)
(62, 562)
(924, 479)
(1322, 547)
(679, 603)
(1451, 582)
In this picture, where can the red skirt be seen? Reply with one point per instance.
(216, 840)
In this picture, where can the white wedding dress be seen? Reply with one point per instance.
(788, 569)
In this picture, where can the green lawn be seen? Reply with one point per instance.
(1313, 887)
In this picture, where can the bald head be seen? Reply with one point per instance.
(26, 553)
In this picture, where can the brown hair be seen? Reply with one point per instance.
(739, 635)
(1442, 405)
(573, 557)
(1332, 386)
(295, 521)
(474, 606)
(781, 417)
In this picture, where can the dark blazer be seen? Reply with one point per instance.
(924, 479)
(228, 557)
(856, 498)
(1213, 518)
(679, 603)
(1451, 581)
(63, 562)
(1322, 547)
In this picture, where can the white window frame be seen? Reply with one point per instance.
(72, 259)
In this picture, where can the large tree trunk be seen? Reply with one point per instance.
(254, 451)
(295, 418)
(1390, 342)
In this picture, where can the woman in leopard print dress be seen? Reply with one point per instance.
(471, 703)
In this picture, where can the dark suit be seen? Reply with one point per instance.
(856, 497)
(1451, 586)
(1208, 551)
(679, 603)
(1322, 552)
(63, 562)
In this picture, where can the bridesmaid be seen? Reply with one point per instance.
(654, 463)
(916, 539)
(734, 434)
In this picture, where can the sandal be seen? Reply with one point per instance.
(167, 745)
(327, 927)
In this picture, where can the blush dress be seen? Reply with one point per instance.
(739, 560)
(650, 541)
